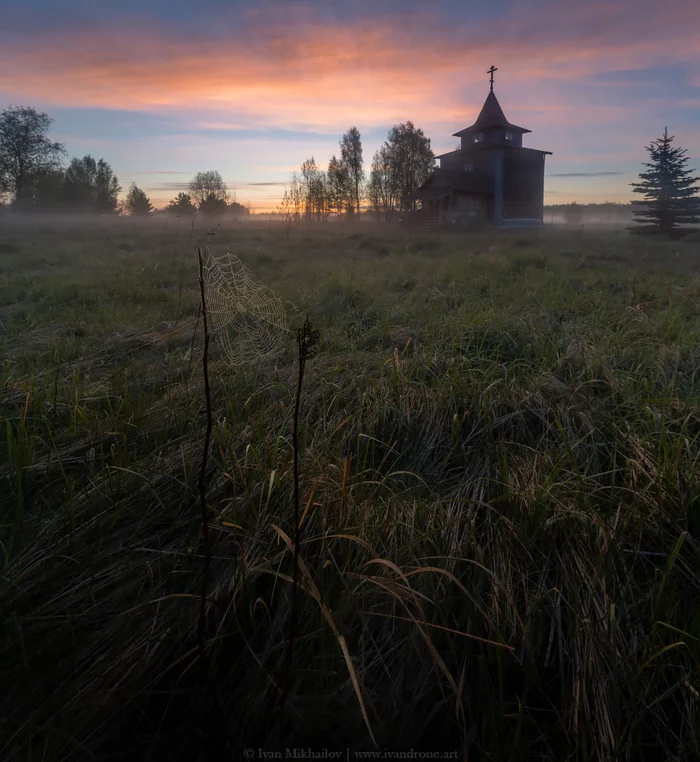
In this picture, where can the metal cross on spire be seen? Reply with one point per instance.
(491, 71)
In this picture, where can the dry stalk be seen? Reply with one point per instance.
(307, 339)
(206, 538)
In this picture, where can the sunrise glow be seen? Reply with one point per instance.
(162, 90)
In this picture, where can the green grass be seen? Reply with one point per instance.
(500, 488)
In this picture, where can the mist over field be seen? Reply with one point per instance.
(349, 381)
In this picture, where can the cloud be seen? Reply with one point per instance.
(183, 186)
(583, 174)
(283, 67)
(161, 172)
(174, 187)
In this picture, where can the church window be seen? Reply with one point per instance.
(509, 136)
(479, 137)
(469, 166)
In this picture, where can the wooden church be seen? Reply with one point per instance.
(491, 178)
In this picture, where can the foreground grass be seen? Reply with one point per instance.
(500, 497)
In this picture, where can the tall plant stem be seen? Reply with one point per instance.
(307, 338)
(206, 536)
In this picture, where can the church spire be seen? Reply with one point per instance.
(491, 71)
(491, 115)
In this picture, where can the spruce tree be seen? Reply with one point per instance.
(669, 190)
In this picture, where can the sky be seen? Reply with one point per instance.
(162, 89)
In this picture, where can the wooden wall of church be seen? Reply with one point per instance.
(523, 190)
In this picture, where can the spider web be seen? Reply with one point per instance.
(247, 319)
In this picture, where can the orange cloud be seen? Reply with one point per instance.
(321, 75)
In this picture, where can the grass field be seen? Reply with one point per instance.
(500, 487)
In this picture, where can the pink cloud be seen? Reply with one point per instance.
(324, 75)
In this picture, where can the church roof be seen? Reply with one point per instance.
(470, 151)
(491, 116)
(445, 182)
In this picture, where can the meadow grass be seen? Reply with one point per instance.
(500, 496)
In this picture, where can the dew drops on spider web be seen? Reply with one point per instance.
(246, 318)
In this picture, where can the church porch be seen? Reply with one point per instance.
(444, 205)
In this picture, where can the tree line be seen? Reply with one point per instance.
(33, 177)
(207, 194)
(401, 165)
